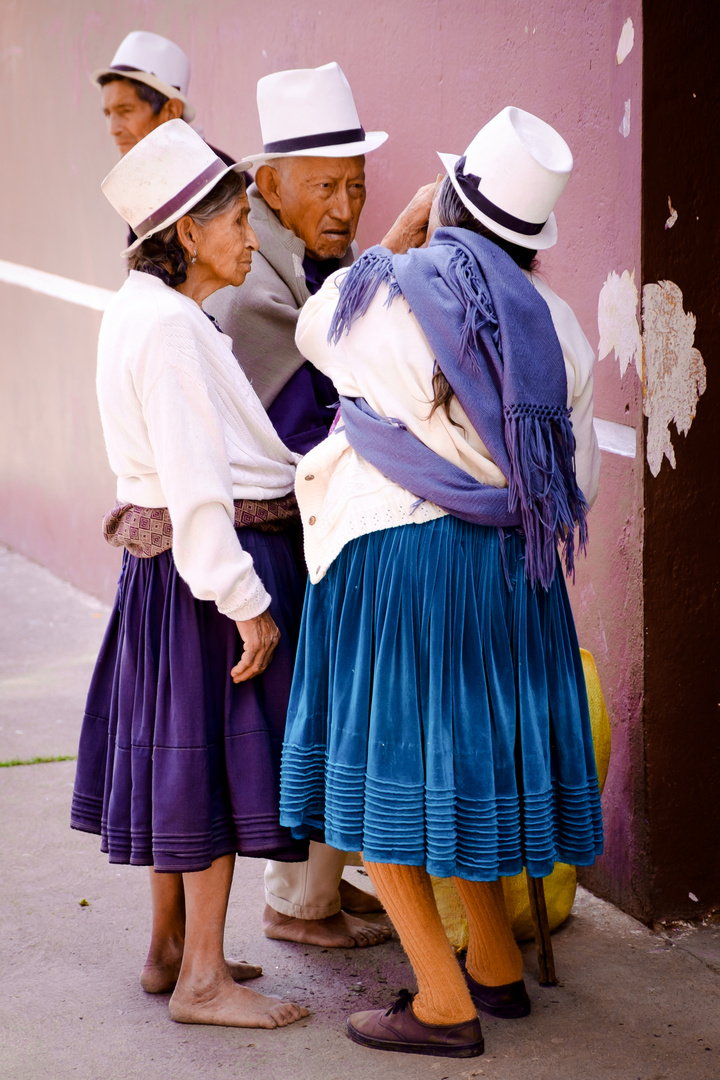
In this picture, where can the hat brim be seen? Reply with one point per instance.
(240, 166)
(372, 140)
(546, 238)
(149, 80)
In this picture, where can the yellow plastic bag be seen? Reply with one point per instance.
(560, 886)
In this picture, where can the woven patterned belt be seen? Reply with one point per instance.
(146, 532)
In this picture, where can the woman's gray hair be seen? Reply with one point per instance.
(164, 249)
(453, 213)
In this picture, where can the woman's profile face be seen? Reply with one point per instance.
(225, 246)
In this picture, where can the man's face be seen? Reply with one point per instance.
(129, 118)
(320, 200)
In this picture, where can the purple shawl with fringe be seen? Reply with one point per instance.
(494, 341)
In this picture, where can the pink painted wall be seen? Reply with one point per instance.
(429, 72)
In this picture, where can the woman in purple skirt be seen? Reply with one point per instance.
(178, 764)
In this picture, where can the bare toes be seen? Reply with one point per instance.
(241, 971)
(288, 1013)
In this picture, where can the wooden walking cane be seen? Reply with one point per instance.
(543, 944)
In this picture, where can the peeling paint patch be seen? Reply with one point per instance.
(624, 128)
(617, 320)
(675, 375)
(626, 42)
(673, 215)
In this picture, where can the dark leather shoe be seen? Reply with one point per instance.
(509, 1002)
(399, 1029)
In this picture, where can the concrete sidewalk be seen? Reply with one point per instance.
(633, 1004)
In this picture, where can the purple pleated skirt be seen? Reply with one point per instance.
(177, 765)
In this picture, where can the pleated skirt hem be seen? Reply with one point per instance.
(178, 766)
(438, 715)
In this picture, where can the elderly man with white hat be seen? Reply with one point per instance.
(307, 198)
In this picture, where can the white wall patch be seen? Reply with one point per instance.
(626, 42)
(673, 215)
(75, 292)
(624, 128)
(618, 322)
(675, 374)
(615, 438)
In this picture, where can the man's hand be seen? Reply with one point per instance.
(260, 636)
(410, 229)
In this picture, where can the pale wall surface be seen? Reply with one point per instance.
(430, 72)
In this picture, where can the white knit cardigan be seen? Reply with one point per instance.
(185, 430)
(386, 359)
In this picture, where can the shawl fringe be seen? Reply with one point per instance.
(471, 290)
(543, 487)
(359, 287)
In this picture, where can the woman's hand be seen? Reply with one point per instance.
(260, 636)
(410, 229)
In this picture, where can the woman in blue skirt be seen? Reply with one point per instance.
(438, 718)
(178, 765)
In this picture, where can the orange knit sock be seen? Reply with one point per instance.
(408, 898)
(493, 957)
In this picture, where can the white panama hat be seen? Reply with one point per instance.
(310, 112)
(162, 177)
(153, 60)
(511, 176)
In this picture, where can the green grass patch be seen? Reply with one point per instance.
(36, 760)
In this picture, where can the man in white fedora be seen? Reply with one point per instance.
(145, 85)
(305, 204)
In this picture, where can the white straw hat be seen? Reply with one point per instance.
(162, 177)
(310, 112)
(511, 176)
(155, 61)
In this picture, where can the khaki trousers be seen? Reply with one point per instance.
(308, 890)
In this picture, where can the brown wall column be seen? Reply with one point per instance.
(681, 159)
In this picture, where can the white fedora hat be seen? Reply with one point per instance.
(511, 176)
(162, 177)
(155, 61)
(310, 112)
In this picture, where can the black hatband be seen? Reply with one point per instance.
(309, 142)
(470, 184)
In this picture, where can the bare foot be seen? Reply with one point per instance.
(221, 1001)
(159, 976)
(357, 901)
(339, 931)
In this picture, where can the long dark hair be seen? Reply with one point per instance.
(453, 213)
(162, 254)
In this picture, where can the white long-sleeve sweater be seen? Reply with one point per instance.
(386, 359)
(185, 430)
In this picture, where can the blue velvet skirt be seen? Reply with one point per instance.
(438, 714)
(177, 765)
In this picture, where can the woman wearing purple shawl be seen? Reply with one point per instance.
(438, 718)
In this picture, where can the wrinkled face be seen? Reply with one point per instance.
(129, 119)
(224, 246)
(321, 200)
